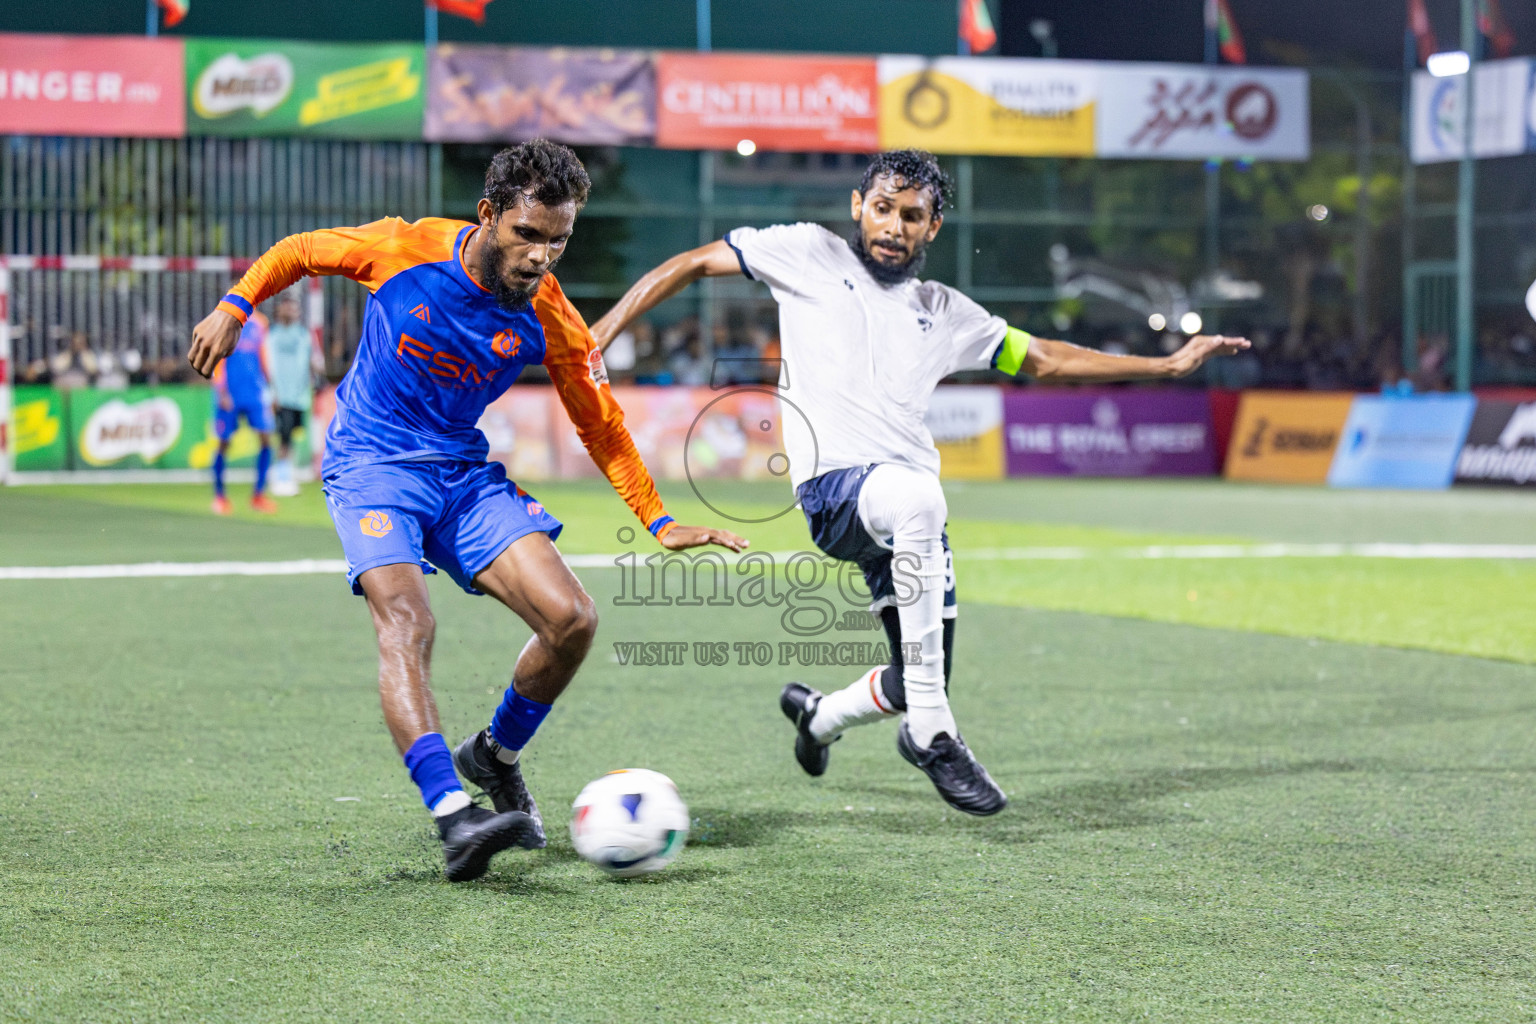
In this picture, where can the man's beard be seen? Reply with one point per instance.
(885, 273)
(509, 297)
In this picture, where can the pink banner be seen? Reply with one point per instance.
(680, 433)
(92, 85)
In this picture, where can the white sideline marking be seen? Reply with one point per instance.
(1198, 551)
(325, 566)
(298, 567)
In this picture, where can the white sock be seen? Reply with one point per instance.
(453, 800)
(501, 753)
(922, 623)
(855, 704)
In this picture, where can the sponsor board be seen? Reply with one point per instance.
(1408, 442)
(1505, 107)
(92, 85)
(1026, 107)
(39, 440)
(967, 428)
(792, 103)
(1500, 446)
(1191, 112)
(1108, 433)
(1286, 437)
(512, 94)
(249, 87)
(1005, 107)
(681, 433)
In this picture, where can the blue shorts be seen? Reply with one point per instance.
(226, 421)
(831, 506)
(457, 516)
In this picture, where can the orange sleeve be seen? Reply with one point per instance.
(575, 365)
(370, 255)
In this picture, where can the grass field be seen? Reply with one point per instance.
(1244, 789)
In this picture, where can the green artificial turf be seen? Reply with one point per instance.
(1208, 824)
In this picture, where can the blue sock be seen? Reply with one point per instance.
(431, 768)
(263, 463)
(517, 720)
(218, 473)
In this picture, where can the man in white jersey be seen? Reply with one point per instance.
(864, 345)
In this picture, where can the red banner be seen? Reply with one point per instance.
(92, 85)
(806, 104)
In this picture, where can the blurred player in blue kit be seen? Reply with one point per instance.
(240, 390)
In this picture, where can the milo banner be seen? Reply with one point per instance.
(1108, 433)
(246, 87)
(1500, 446)
(149, 428)
(512, 94)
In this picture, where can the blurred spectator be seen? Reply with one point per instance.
(619, 357)
(111, 374)
(76, 366)
(688, 364)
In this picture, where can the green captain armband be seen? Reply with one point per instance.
(1010, 354)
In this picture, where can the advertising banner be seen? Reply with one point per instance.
(1501, 445)
(513, 94)
(967, 427)
(794, 103)
(1108, 433)
(1408, 442)
(1004, 107)
(681, 433)
(249, 87)
(138, 428)
(1505, 112)
(92, 85)
(1193, 112)
(1286, 436)
(39, 438)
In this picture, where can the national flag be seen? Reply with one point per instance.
(976, 26)
(174, 10)
(1218, 19)
(1491, 23)
(1423, 31)
(474, 10)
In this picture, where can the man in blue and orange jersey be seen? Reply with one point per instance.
(456, 311)
(240, 389)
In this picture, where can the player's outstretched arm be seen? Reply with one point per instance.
(1061, 361)
(713, 260)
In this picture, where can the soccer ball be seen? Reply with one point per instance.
(629, 822)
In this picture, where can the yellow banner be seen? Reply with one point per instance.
(967, 428)
(997, 107)
(1286, 437)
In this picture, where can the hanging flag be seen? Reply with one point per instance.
(1423, 31)
(174, 10)
(1227, 36)
(976, 26)
(1491, 23)
(474, 10)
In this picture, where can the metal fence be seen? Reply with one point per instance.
(179, 198)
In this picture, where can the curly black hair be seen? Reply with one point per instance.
(911, 168)
(544, 171)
